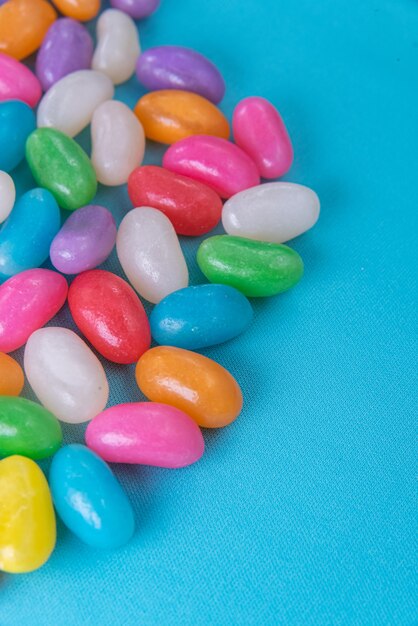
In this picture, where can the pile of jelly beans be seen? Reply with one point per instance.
(204, 178)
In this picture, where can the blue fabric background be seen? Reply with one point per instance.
(301, 512)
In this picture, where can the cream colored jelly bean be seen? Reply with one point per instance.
(7, 195)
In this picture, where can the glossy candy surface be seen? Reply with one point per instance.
(89, 499)
(59, 164)
(176, 67)
(190, 382)
(171, 114)
(201, 316)
(219, 163)
(85, 240)
(150, 254)
(7, 195)
(260, 131)
(192, 207)
(118, 142)
(274, 212)
(17, 82)
(82, 10)
(67, 47)
(256, 268)
(35, 218)
(110, 315)
(17, 121)
(147, 433)
(136, 8)
(23, 25)
(11, 376)
(28, 429)
(117, 48)
(27, 519)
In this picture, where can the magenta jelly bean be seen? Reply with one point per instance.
(217, 162)
(260, 131)
(17, 82)
(137, 9)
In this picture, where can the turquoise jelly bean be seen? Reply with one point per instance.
(89, 499)
(27, 234)
(17, 121)
(199, 317)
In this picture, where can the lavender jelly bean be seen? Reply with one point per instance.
(85, 240)
(67, 47)
(175, 67)
(137, 9)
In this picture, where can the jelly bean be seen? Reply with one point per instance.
(170, 115)
(150, 254)
(27, 519)
(26, 235)
(89, 499)
(67, 48)
(274, 212)
(59, 164)
(190, 382)
(260, 131)
(193, 208)
(70, 103)
(11, 376)
(28, 429)
(256, 268)
(214, 161)
(85, 241)
(199, 317)
(96, 300)
(117, 47)
(82, 10)
(147, 433)
(118, 142)
(136, 8)
(17, 82)
(17, 121)
(27, 302)
(23, 25)
(175, 67)
(7, 195)
(65, 375)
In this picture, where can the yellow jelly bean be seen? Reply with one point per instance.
(27, 519)
(23, 26)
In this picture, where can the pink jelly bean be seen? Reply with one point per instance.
(27, 302)
(214, 161)
(147, 433)
(17, 82)
(260, 131)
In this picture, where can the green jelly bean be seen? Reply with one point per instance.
(256, 268)
(60, 165)
(28, 429)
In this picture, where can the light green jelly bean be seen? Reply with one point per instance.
(256, 268)
(60, 165)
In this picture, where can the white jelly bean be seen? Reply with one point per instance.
(7, 195)
(117, 47)
(70, 103)
(274, 212)
(118, 142)
(150, 254)
(65, 375)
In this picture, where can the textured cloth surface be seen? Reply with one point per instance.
(302, 511)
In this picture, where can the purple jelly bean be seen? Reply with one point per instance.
(85, 240)
(175, 67)
(137, 9)
(67, 47)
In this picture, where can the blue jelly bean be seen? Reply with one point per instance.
(89, 499)
(27, 234)
(17, 121)
(199, 317)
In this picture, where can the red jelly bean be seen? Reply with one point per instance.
(110, 315)
(192, 207)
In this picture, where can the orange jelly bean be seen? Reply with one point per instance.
(23, 26)
(191, 382)
(172, 114)
(11, 376)
(78, 9)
